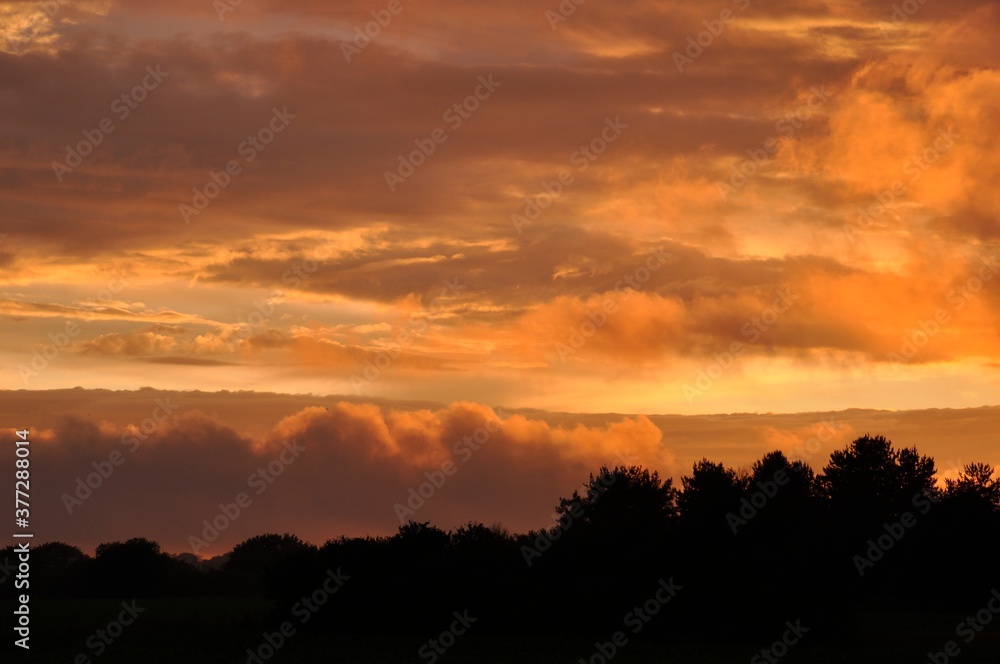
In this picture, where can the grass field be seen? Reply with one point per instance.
(220, 631)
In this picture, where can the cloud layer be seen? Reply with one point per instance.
(114, 465)
(203, 197)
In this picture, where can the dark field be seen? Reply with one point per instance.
(220, 630)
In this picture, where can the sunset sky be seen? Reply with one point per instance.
(633, 207)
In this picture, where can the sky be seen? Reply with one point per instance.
(645, 208)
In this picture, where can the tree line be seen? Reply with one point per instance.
(745, 550)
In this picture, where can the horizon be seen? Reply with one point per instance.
(384, 448)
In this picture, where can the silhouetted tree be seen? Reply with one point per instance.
(710, 493)
(133, 568)
(626, 500)
(261, 552)
(789, 489)
(59, 568)
(421, 540)
(476, 536)
(961, 556)
(975, 487)
(870, 482)
(614, 541)
(276, 565)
